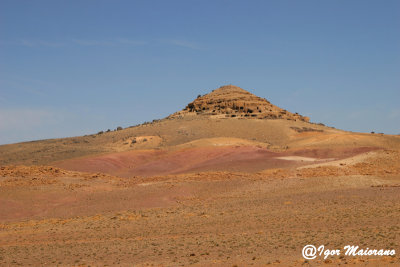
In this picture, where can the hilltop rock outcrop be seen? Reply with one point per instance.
(233, 101)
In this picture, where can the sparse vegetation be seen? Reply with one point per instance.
(305, 129)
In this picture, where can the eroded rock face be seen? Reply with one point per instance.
(233, 101)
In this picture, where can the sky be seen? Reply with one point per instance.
(70, 68)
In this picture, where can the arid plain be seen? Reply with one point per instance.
(231, 180)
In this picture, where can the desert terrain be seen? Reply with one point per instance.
(230, 180)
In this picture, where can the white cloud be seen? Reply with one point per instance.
(130, 42)
(25, 124)
(31, 43)
(92, 42)
(82, 42)
(24, 118)
(182, 43)
(112, 42)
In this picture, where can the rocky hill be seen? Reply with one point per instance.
(228, 116)
(232, 101)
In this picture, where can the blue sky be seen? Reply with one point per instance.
(70, 68)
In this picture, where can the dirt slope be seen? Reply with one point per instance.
(184, 159)
(275, 134)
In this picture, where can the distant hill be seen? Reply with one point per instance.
(200, 137)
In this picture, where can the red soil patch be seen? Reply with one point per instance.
(226, 158)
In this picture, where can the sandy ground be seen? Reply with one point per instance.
(54, 217)
(202, 191)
